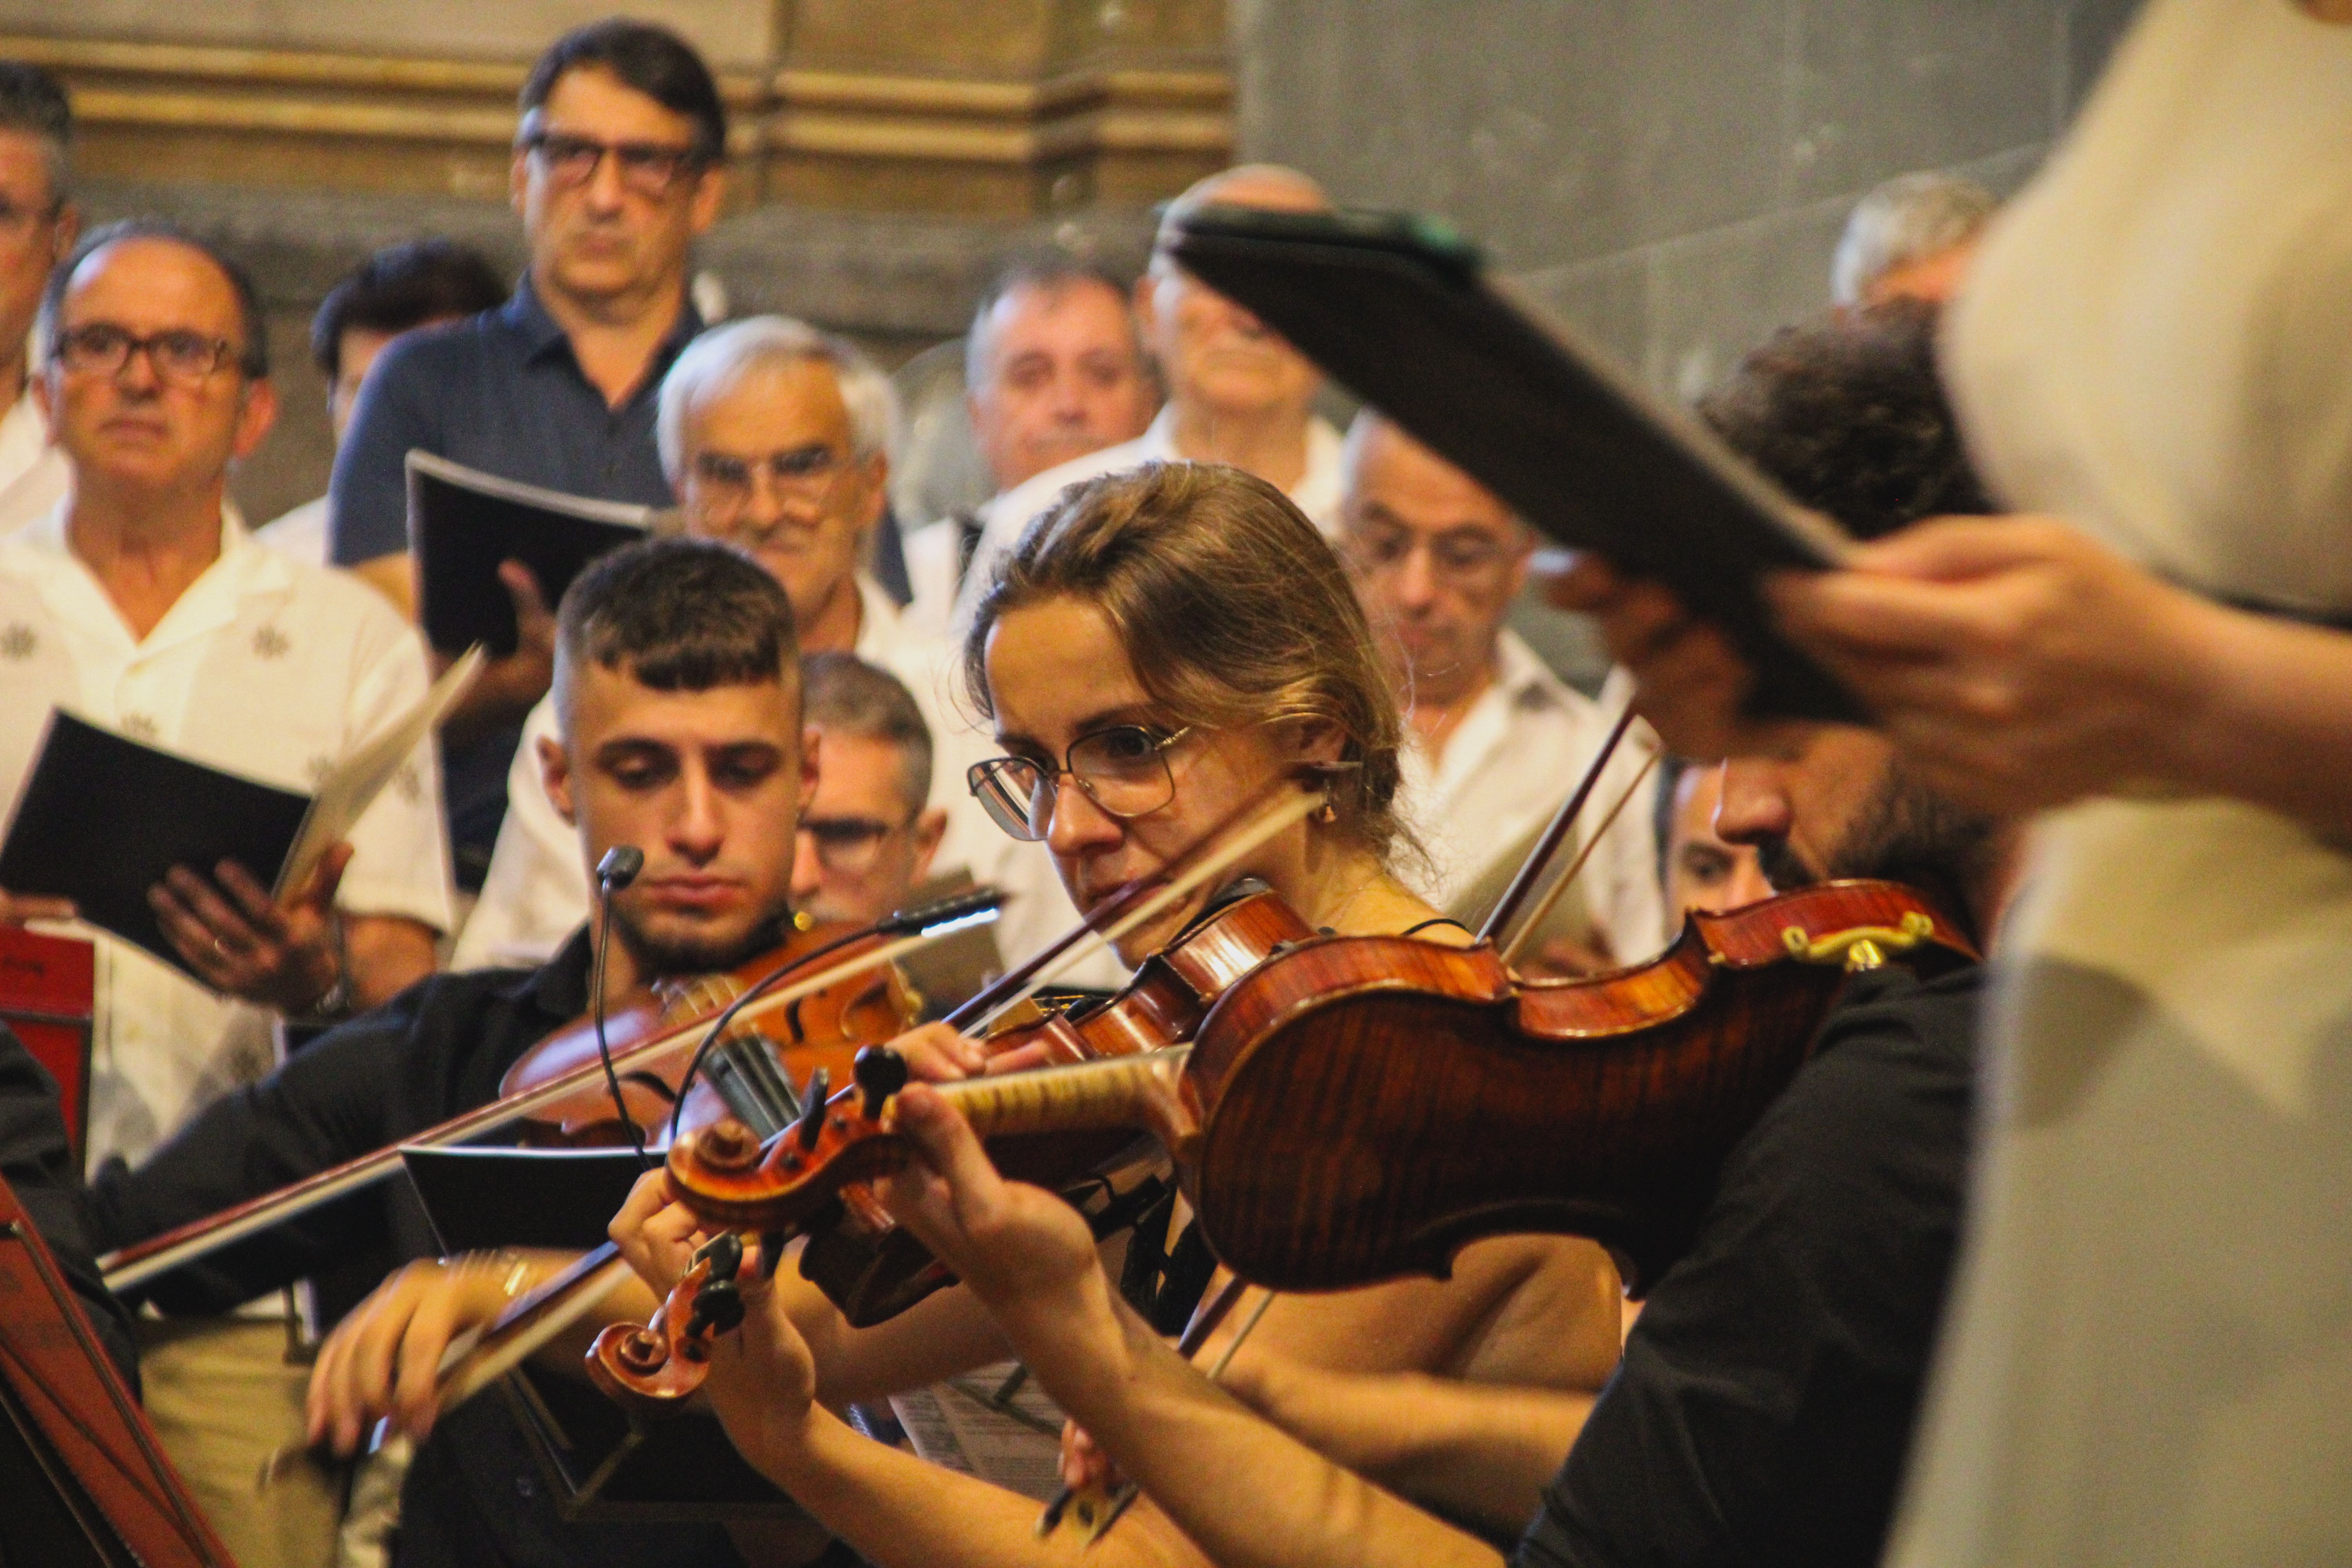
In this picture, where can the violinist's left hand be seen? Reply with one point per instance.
(935, 1053)
(2018, 663)
(1017, 1247)
(657, 1237)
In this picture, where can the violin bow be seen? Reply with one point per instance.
(1560, 884)
(1114, 1505)
(141, 1261)
(1233, 835)
(1555, 833)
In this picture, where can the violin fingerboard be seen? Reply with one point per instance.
(1104, 1094)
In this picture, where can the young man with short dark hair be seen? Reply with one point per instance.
(677, 687)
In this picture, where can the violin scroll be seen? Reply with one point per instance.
(655, 1369)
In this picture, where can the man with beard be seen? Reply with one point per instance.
(677, 689)
(1766, 1398)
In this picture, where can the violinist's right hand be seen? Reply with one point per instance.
(383, 1361)
(15, 909)
(1689, 681)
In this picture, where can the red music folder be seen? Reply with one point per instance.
(48, 987)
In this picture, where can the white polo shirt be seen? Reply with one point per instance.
(1006, 514)
(1506, 767)
(535, 893)
(33, 476)
(265, 668)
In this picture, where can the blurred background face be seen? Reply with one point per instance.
(1436, 560)
(1217, 358)
(354, 355)
(34, 232)
(137, 426)
(767, 467)
(1704, 872)
(863, 844)
(609, 234)
(1062, 379)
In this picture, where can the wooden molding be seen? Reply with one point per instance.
(853, 138)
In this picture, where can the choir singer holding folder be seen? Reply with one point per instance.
(141, 604)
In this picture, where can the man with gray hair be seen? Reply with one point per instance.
(38, 224)
(1911, 238)
(775, 438)
(1237, 393)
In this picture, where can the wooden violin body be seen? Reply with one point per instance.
(872, 1271)
(823, 1030)
(556, 1093)
(1380, 1102)
(854, 1253)
(1355, 1109)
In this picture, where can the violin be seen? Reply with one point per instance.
(856, 1253)
(1357, 1109)
(556, 1092)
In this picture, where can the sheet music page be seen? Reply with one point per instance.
(953, 1425)
(345, 794)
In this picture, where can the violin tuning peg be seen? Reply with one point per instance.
(881, 1072)
(724, 1253)
(718, 1309)
(812, 1122)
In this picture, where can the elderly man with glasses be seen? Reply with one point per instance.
(775, 436)
(1495, 739)
(139, 603)
(617, 167)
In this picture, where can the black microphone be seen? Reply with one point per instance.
(617, 869)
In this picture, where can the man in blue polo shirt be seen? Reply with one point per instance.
(617, 167)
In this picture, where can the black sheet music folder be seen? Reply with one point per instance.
(1403, 314)
(103, 818)
(462, 523)
(601, 1465)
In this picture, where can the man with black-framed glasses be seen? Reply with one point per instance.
(38, 223)
(618, 165)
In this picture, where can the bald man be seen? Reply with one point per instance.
(1237, 393)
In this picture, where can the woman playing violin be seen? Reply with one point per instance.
(1162, 646)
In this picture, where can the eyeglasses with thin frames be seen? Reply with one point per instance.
(1123, 769)
(725, 483)
(850, 845)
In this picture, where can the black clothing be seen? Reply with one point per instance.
(36, 1158)
(474, 1499)
(1765, 1404)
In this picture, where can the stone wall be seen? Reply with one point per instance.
(1671, 173)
